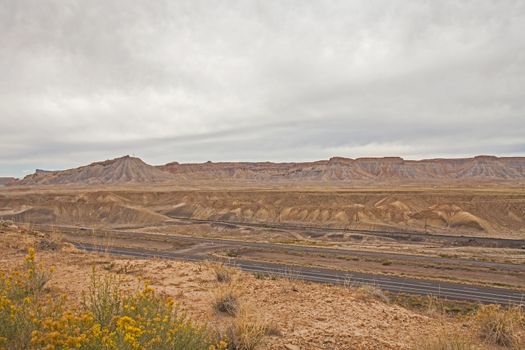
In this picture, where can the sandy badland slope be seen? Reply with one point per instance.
(498, 213)
(438, 211)
(303, 315)
(93, 208)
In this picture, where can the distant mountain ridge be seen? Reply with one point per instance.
(361, 170)
(6, 180)
(120, 170)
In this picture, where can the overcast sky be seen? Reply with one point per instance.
(193, 80)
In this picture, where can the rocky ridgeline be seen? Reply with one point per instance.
(6, 181)
(120, 170)
(361, 170)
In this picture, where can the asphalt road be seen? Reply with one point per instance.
(446, 290)
(230, 243)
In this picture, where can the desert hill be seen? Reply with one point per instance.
(6, 180)
(120, 170)
(474, 212)
(361, 169)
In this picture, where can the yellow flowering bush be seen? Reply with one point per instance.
(108, 318)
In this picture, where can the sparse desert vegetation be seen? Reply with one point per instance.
(444, 341)
(222, 273)
(246, 333)
(109, 318)
(226, 300)
(501, 326)
(269, 313)
(370, 292)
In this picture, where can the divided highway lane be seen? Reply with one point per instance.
(447, 290)
(424, 259)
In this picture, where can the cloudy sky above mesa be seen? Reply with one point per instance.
(192, 81)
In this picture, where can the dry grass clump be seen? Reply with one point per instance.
(245, 334)
(226, 300)
(493, 324)
(368, 292)
(446, 342)
(273, 329)
(245, 330)
(109, 319)
(50, 241)
(500, 326)
(223, 274)
(435, 306)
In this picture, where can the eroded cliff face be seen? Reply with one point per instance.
(361, 169)
(128, 170)
(116, 171)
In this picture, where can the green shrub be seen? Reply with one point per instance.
(103, 299)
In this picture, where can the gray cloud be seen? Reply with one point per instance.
(258, 80)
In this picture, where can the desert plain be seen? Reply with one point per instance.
(333, 254)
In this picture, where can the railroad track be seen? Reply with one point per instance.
(398, 235)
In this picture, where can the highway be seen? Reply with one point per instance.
(231, 243)
(394, 284)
